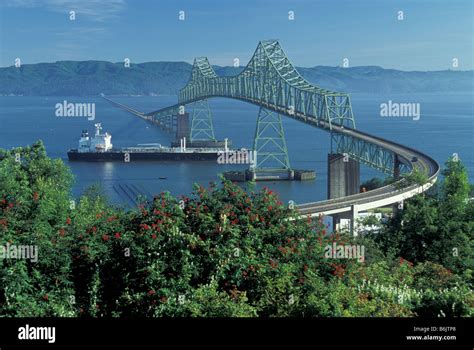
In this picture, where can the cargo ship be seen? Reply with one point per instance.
(99, 148)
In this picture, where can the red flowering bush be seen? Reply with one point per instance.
(221, 252)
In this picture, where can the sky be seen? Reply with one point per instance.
(431, 35)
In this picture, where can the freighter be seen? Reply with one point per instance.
(99, 149)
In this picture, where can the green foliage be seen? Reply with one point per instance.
(222, 252)
(415, 177)
(34, 202)
(438, 227)
(375, 183)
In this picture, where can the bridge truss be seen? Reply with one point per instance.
(271, 82)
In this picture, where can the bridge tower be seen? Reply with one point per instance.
(202, 128)
(271, 159)
(343, 168)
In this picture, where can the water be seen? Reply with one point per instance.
(446, 126)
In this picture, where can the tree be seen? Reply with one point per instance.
(438, 227)
(456, 226)
(221, 252)
(34, 207)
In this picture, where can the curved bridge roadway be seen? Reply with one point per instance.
(383, 196)
(270, 81)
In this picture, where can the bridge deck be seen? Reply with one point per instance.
(270, 81)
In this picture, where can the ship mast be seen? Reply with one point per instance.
(98, 128)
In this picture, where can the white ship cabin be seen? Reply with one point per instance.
(98, 143)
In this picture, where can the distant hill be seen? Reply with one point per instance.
(77, 78)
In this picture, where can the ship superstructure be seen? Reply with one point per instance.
(99, 148)
(98, 143)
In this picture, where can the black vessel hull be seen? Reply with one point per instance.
(121, 156)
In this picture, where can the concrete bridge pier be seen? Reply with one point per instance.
(182, 126)
(352, 216)
(397, 207)
(343, 180)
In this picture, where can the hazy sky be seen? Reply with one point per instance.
(323, 32)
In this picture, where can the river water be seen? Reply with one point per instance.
(445, 126)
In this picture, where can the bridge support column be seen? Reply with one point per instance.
(271, 153)
(182, 126)
(343, 176)
(354, 217)
(343, 180)
(349, 220)
(397, 207)
(201, 125)
(396, 167)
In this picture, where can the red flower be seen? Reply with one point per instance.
(338, 271)
(105, 238)
(68, 221)
(35, 196)
(401, 261)
(61, 232)
(153, 236)
(110, 219)
(94, 229)
(45, 297)
(151, 292)
(117, 235)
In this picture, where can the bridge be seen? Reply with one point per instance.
(271, 82)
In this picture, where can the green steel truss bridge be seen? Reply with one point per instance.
(271, 82)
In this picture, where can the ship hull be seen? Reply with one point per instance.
(121, 156)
